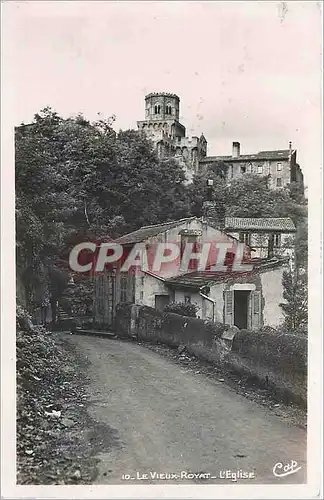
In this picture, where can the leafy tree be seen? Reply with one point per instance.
(197, 191)
(296, 300)
(73, 176)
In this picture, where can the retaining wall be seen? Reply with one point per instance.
(278, 361)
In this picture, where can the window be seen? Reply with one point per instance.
(245, 238)
(230, 171)
(141, 295)
(279, 183)
(279, 166)
(243, 170)
(187, 299)
(277, 240)
(168, 110)
(249, 168)
(157, 109)
(192, 241)
(260, 169)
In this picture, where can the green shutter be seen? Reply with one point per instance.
(229, 307)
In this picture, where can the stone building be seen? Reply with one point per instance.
(246, 299)
(280, 165)
(268, 236)
(163, 127)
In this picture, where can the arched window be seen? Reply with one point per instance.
(168, 110)
(157, 109)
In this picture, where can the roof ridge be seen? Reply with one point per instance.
(164, 223)
(258, 218)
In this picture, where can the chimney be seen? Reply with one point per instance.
(290, 150)
(236, 149)
(213, 210)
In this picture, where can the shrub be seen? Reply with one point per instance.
(182, 309)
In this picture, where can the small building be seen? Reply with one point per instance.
(268, 236)
(247, 300)
(149, 288)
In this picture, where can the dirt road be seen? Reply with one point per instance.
(168, 420)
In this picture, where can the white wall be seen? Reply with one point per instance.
(152, 286)
(209, 234)
(272, 293)
(195, 298)
(217, 294)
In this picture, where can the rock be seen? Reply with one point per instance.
(67, 422)
(76, 474)
(181, 348)
(53, 413)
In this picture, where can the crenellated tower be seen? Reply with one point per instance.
(163, 127)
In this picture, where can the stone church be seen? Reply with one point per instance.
(163, 127)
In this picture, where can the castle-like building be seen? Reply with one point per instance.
(163, 127)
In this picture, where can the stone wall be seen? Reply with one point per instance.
(277, 361)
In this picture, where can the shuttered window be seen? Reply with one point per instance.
(256, 310)
(229, 307)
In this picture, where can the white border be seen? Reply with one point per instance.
(8, 374)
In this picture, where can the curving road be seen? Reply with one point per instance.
(170, 421)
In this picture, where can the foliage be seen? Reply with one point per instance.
(198, 189)
(77, 177)
(77, 298)
(51, 416)
(296, 300)
(182, 309)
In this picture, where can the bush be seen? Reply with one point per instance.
(182, 309)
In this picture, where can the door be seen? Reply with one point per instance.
(161, 301)
(241, 308)
(104, 299)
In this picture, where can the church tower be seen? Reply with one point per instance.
(163, 127)
(161, 122)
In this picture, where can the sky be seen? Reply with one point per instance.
(244, 71)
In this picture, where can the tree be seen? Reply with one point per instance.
(73, 176)
(296, 300)
(197, 191)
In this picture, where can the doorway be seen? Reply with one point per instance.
(161, 301)
(241, 307)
